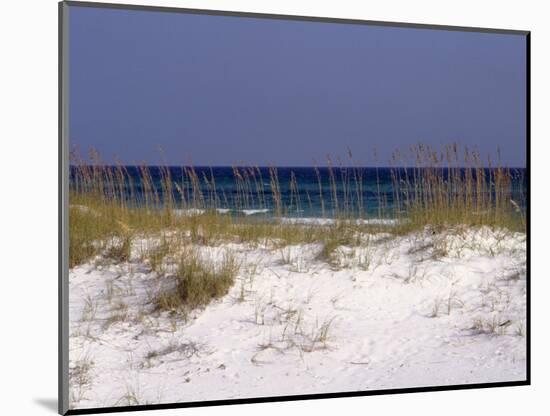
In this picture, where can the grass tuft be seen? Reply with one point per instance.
(198, 282)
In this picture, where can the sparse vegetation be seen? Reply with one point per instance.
(296, 334)
(120, 251)
(119, 313)
(80, 378)
(494, 325)
(186, 350)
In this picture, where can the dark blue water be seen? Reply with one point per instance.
(294, 192)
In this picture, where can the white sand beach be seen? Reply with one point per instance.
(425, 309)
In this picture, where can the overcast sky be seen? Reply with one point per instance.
(221, 90)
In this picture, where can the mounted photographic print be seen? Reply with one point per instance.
(262, 207)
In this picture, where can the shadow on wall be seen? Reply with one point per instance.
(50, 404)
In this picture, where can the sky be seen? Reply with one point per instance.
(172, 88)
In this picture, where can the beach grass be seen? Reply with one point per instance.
(198, 281)
(109, 210)
(445, 187)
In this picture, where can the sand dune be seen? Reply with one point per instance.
(398, 311)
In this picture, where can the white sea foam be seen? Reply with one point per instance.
(196, 211)
(188, 212)
(254, 211)
(330, 221)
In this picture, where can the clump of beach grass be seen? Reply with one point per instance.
(337, 235)
(450, 186)
(120, 249)
(198, 281)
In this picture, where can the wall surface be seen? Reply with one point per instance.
(28, 224)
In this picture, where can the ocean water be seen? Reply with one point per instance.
(297, 192)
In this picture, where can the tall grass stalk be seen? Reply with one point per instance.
(430, 186)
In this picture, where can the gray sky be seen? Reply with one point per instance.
(223, 90)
